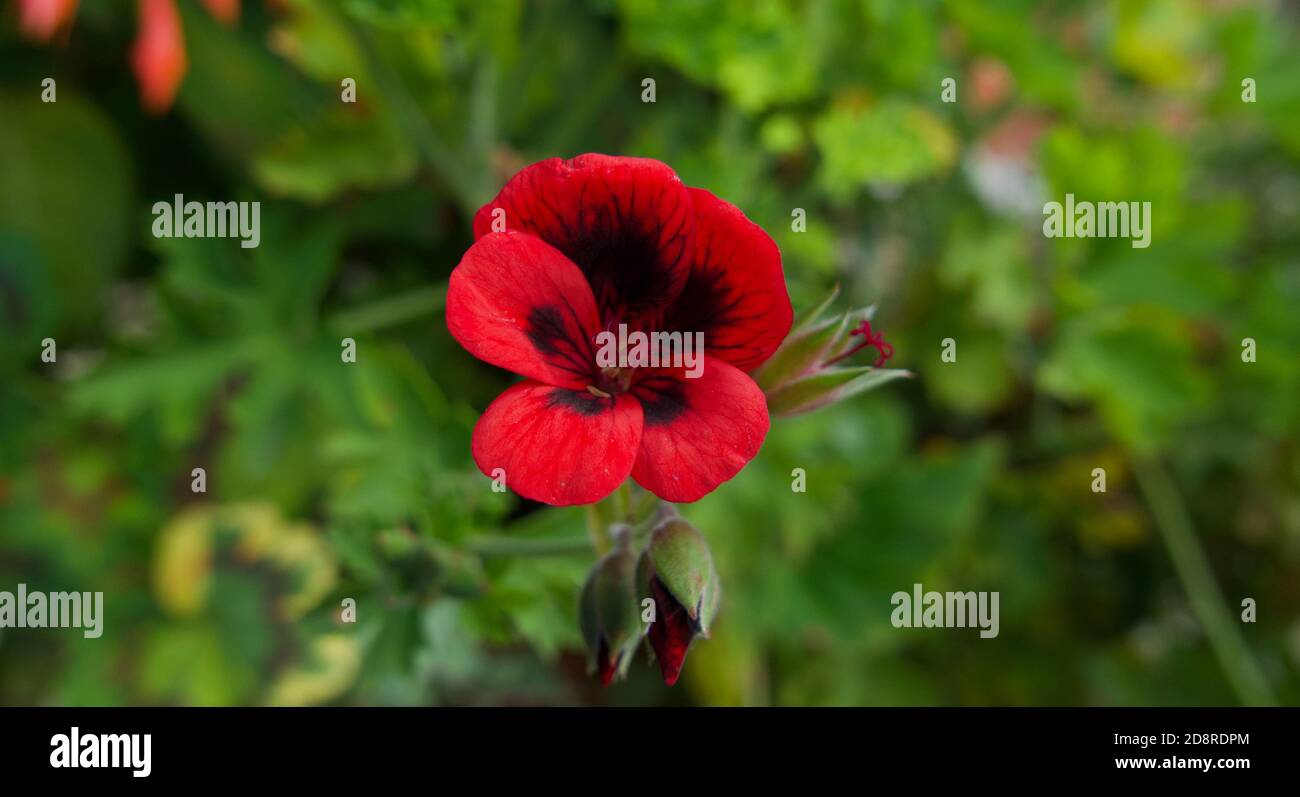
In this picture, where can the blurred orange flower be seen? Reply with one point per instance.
(158, 54)
(41, 19)
(224, 10)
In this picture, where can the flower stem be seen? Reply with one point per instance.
(623, 502)
(1207, 601)
(598, 529)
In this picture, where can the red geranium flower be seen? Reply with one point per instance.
(588, 244)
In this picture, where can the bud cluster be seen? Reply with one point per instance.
(666, 594)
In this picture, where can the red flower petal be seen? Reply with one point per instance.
(671, 633)
(698, 432)
(606, 665)
(158, 54)
(626, 222)
(516, 302)
(736, 292)
(559, 446)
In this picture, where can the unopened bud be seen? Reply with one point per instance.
(610, 614)
(803, 374)
(677, 572)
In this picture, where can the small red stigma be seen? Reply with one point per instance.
(869, 338)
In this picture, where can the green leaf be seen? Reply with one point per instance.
(65, 190)
(344, 149)
(881, 145)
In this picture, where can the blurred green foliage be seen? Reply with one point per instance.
(354, 481)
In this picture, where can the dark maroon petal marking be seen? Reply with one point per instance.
(626, 222)
(558, 446)
(517, 302)
(697, 432)
(710, 304)
(580, 402)
(548, 333)
(735, 293)
(663, 398)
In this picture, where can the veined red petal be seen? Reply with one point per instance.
(626, 222)
(158, 54)
(516, 302)
(698, 432)
(556, 445)
(736, 292)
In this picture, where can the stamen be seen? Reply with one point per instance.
(616, 380)
(595, 391)
(869, 338)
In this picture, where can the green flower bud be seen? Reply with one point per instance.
(803, 376)
(681, 559)
(828, 386)
(676, 571)
(609, 612)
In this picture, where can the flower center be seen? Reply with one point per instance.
(611, 382)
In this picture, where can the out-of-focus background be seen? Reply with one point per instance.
(328, 481)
